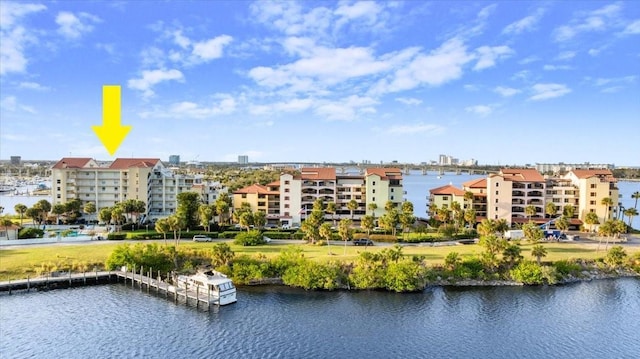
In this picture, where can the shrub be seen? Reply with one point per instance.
(528, 272)
(116, 236)
(244, 269)
(30, 233)
(251, 238)
(565, 268)
(616, 256)
(313, 275)
(405, 276)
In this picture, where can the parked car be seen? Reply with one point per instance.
(201, 238)
(363, 242)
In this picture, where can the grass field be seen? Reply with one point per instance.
(26, 261)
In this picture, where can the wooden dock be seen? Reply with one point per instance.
(140, 280)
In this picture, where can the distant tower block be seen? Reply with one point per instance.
(174, 160)
(243, 159)
(16, 160)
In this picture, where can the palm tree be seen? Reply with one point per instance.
(367, 223)
(468, 196)
(345, 231)
(325, 232)
(562, 223)
(530, 211)
(538, 251)
(630, 213)
(607, 202)
(162, 226)
(591, 219)
(20, 209)
(373, 207)
(569, 211)
(551, 209)
(332, 208)
(89, 208)
(635, 196)
(352, 206)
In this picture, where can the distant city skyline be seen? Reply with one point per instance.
(503, 83)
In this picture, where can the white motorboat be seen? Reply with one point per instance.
(218, 288)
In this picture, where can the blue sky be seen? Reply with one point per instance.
(505, 82)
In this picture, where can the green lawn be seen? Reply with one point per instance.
(25, 261)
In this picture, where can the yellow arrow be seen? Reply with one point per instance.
(111, 133)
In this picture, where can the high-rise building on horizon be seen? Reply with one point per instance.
(174, 160)
(243, 159)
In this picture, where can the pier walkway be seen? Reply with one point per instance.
(140, 280)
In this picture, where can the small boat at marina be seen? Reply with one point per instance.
(6, 189)
(217, 286)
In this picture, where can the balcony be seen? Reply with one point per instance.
(535, 194)
(517, 194)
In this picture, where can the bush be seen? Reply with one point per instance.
(313, 275)
(528, 272)
(229, 234)
(244, 269)
(251, 238)
(405, 276)
(30, 233)
(566, 268)
(278, 235)
(616, 256)
(116, 236)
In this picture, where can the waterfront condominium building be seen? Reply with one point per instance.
(507, 194)
(105, 185)
(260, 198)
(296, 193)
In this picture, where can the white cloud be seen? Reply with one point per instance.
(210, 49)
(221, 104)
(548, 91)
(440, 66)
(152, 77)
(419, 128)
(33, 86)
(528, 60)
(14, 38)
(487, 56)
(597, 20)
(72, 26)
(506, 91)
(566, 55)
(481, 110)
(556, 67)
(10, 103)
(347, 109)
(527, 23)
(632, 29)
(409, 100)
(11, 12)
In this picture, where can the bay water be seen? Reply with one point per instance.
(598, 319)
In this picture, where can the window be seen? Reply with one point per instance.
(244, 195)
(497, 192)
(103, 188)
(496, 211)
(86, 195)
(115, 188)
(58, 181)
(373, 199)
(373, 191)
(286, 198)
(286, 190)
(374, 183)
(392, 190)
(286, 214)
(286, 182)
(58, 188)
(58, 195)
(592, 194)
(497, 184)
(593, 185)
(445, 198)
(593, 203)
(496, 200)
(391, 198)
(286, 205)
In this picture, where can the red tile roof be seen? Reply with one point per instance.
(476, 183)
(521, 174)
(447, 190)
(596, 172)
(255, 188)
(72, 162)
(385, 173)
(311, 173)
(124, 163)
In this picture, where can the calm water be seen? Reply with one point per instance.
(600, 319)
